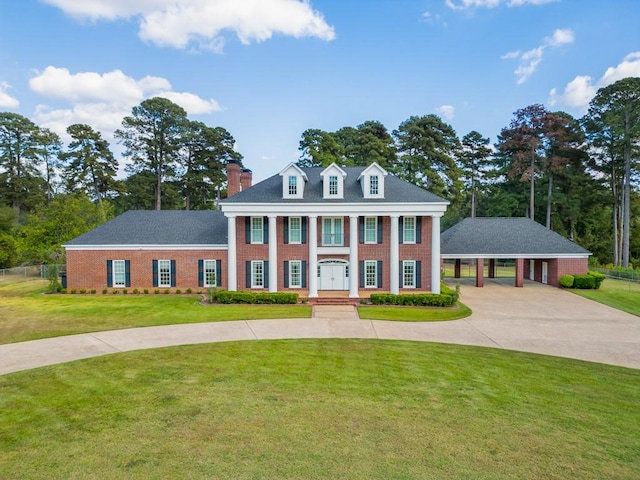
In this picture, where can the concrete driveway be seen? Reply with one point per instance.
(536, 318)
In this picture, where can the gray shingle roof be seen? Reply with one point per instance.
(396, 190)
(159, 227)
(505, 236)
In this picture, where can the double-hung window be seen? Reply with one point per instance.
(257, 230)
(371, 230)
(257, 274)
(332, 233)
(295, 274)
(293, 185)
(164, 273)
(409, 230)
(370, 273)
(374, 185)
(409, 274)
(295, 230)
(333, 185)
(119, 273)
(209, 268)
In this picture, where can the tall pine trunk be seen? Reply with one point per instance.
(549, 191)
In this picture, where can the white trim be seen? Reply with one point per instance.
(145, 247)
(435, 209)
(124, 273)
(448, 256)
(406, 263)
(291, 263)
(206, 261)
(367, 230)
(333, 250)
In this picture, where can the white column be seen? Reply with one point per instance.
(394, 256)
(313, 257)
(273, 254)
(353, 257)
(435, 254)
(232, 279)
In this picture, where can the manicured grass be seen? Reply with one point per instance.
(620, 294)
(413, 314)
(321, 409)
(27, 314)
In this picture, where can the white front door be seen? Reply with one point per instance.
(333, 277)
(545, 270)
(532, 269)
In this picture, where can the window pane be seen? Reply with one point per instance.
(119, 278)
(333, 185)
(370, 273)
(164, 273)
(332, 231)
(373, 185)
(257, 274)
(256, 230)
(295, 230)
(409, 230)
(409, 274)
(295, 273)
(210, 273)
(293, 185)
(337, 231)
(370, 229)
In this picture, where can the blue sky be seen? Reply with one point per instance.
(266, 70)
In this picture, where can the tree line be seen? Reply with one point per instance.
(579, 177)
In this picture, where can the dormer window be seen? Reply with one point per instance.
(293, 181)
(333, 182)
(372, 181)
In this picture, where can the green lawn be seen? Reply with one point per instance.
(620, 294)
(413, 314)
(321, 409)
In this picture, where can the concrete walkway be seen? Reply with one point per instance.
(535, 318)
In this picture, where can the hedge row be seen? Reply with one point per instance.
(225, 296)
(415, 299)
(592, 280)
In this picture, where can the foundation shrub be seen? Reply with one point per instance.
(598, 278)
(566, 281)
(417, 300)
(226, 297)
(584, 282)
(444, 289)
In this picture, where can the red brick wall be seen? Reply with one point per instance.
(88, 268)
(566, 266)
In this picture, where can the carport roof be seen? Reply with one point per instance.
(502, 237)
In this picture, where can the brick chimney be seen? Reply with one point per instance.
(233, 177)
(246, 176)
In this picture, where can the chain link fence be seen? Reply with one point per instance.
(32, 271)
(620, 273)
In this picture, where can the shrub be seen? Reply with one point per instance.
(135, 291)
(93, 291)
(64, 290)
(178, 291)
(125, 291)
(167, 291)
(419, 299)
(445, 290)
(83, 291)
(72, 291)
(598, 278)
(584, 282)
(189, 291)
(226, 297)
(114, 292)
(105, 291)
(566, 281)
(146, 291)
(156, 291)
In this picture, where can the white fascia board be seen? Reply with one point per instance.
(451, 256)
(338, 208)
(145, 247)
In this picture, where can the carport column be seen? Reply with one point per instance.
(273, 254)
(492, 268)
(479, 272)
(435, 254)
(394, 256)
(232, 281)
(519, 272)
(456, 268)
(353, 257)
(313, 256)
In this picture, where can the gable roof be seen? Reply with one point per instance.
(158, 227)
(501, 237)
(396, 190)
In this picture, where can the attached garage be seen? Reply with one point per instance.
(540, 254)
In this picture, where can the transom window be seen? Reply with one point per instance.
(293, 185)
(164, 273)
(257, 274)
(409, 230)
(257, 230)
(370, 273)
(373, 185)
(295, 230)
(333, 185)
(210, 279)
(370, 229)
(295, 273)
(119, 273)
(332, 233)
(409, 274)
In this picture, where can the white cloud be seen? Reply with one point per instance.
(579, 91)
(103, 100)
(182, 23)
(466, 4)
(530, 59)
(6, 100)
(447, 111)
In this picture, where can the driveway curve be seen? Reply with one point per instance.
(536, 319)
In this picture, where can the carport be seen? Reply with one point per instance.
(540, 254)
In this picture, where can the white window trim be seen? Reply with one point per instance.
(373, 184)
(252, 229)
(367, 264)
(404, 230)
(114, 272)
(332, 233)
(160, 268)
(405, 264)
(331, 185)
(291, 267)
(209, 265)
(292, 185)
(254, 274)
(367, 230)
(291, 229)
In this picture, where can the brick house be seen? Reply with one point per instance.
(310, 230)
